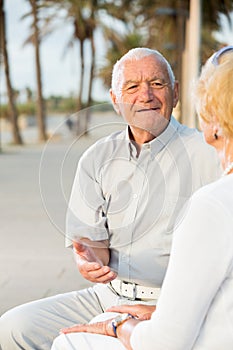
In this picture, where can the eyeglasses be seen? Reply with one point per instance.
(215, 58)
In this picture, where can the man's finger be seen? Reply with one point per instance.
(103, 270)
(103, 278)
(90, 266)
(121, 309)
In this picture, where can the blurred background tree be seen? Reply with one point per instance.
(124, 24)
(13, 113)
(35, 39)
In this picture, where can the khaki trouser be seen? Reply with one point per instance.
(34, 326)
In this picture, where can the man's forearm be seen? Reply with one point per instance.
(98, 250)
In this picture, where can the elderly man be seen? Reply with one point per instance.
(128, 191)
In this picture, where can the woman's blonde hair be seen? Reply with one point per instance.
(214, 92)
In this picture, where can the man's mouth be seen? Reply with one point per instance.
(148, 109)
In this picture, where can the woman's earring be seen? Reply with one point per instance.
(215, 136)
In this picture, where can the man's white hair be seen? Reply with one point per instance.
(136, 54)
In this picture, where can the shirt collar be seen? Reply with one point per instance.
(131, 149)
(157, 144)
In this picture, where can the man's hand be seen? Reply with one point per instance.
(90, 261)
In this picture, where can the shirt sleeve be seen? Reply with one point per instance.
(200, 258)
(86, 209)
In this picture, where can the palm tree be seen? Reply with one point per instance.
(92, 25)
(118, 45)
(29, 94)
(80, 33)
(161, 25)
(141, 23)
(35, 39)
(122, 32)
(136, 23)
(211, 11)
(17, 139)
(82, 14)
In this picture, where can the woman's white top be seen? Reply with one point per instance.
(195, 309)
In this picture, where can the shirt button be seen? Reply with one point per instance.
(124, 258)
(135, 195)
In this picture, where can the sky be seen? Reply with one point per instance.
(60, 73)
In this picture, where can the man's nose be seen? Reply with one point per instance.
(146, 93)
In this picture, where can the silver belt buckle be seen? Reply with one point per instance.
(131, 288)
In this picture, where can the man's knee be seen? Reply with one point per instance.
(13, 325)
(22, 328)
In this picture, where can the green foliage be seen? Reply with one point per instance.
(125, 24)
(4, 114)
(27, 108)
(131, 23)
(159, 25)
(67, 105)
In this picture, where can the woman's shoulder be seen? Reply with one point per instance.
(219, 193)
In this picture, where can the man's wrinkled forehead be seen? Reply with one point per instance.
(133, 70)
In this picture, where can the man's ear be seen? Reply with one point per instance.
(175, 93)
(114, 101)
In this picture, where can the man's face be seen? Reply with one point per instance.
(146, 97)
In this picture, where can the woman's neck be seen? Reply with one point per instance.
(226, 156)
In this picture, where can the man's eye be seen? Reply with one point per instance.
(157, 83)
(132, 87)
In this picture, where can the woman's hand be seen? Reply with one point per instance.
(139, 311)
(104, 328)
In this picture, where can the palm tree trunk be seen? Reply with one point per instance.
(92, 68)
(13, 111)
(40, 101)
(89, 97)
(79, 102)
(79, 127)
